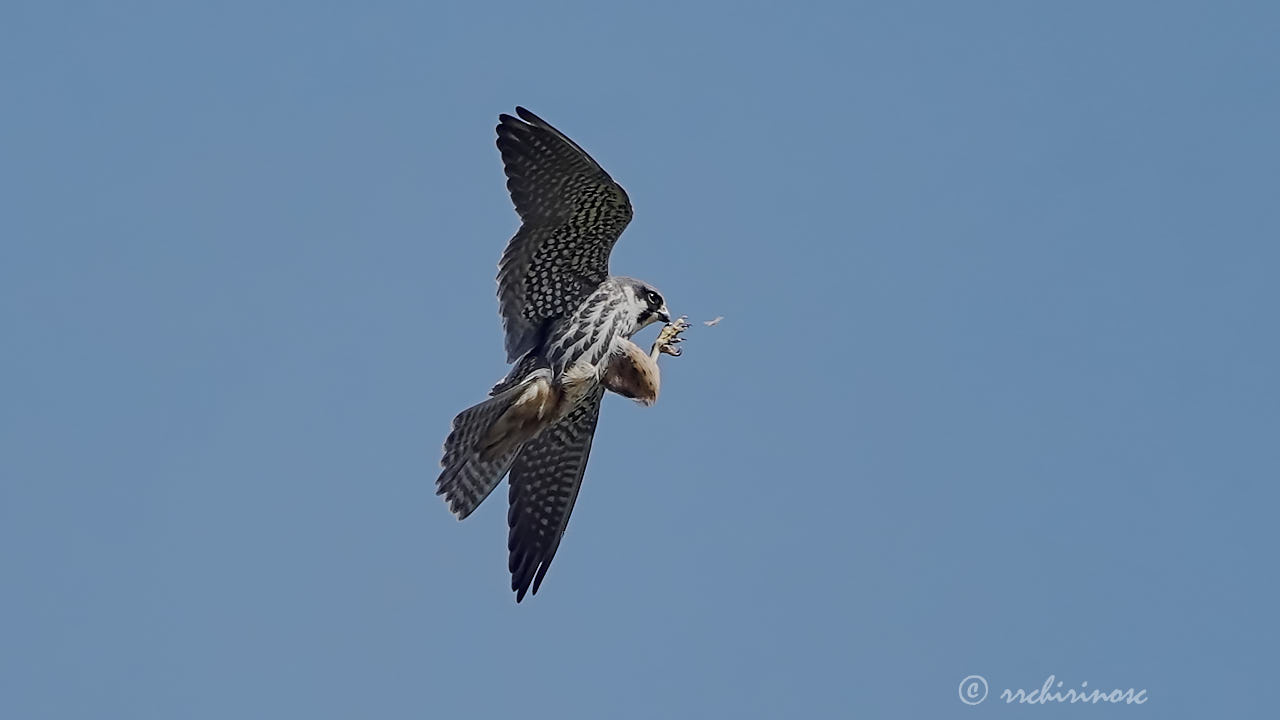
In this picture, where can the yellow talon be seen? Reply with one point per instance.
(669, 336)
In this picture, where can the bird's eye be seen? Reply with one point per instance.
(653, 298)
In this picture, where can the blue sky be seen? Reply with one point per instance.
(995, 392)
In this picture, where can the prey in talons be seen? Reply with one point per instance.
(669, 337)
(633, 373)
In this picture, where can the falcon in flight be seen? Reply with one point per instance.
(568, 326)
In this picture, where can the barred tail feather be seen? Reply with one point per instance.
(485, 439)
(468, 478)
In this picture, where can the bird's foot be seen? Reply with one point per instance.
(669, 336)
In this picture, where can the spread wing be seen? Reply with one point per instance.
(545, 480)
(571, 215)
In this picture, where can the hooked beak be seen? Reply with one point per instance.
(664, 315)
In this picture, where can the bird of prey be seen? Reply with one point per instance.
(568, 325)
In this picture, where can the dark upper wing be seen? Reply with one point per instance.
(572, 213)
(544, 485)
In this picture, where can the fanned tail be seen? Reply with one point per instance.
(483, 442)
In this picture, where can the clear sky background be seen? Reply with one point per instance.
(995, 392)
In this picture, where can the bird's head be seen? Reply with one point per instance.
(645, 304)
